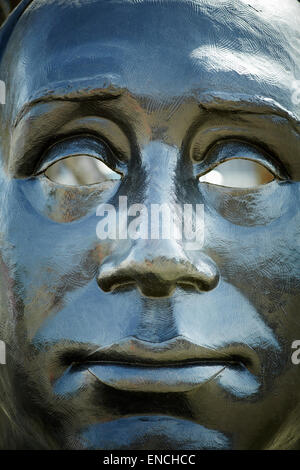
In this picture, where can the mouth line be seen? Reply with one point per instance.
(179, 364)
(176, 365)
(178, 352)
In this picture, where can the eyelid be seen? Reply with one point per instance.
(75, 147)
(225, 150)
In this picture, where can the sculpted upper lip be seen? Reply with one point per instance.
(178, 351)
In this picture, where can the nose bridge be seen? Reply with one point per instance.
(159, 197)
(160, 161)
(154, 264)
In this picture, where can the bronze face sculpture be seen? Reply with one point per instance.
(142, 343)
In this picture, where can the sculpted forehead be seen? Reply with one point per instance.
(159, 48)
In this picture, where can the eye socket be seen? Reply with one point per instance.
(80, 170)
(238, 173)
(80, 161)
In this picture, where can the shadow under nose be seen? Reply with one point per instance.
(158, 276)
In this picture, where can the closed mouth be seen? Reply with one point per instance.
(178, 351)
(176, 365)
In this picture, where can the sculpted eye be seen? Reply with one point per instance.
(80, 170)
(80, 161)
(238, 173)
(236, 164)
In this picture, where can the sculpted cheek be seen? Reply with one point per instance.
(262, 260)
(249, 207)
(64, 204)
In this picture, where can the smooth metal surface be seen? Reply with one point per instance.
(132, 344)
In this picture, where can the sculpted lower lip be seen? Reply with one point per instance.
(155, 379)
(163, 379)
(177, 365)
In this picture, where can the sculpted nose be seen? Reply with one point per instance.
(154, 265)
(157, 268)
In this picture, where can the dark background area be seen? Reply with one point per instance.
(5, 7)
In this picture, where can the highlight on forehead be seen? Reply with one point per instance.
(273, 27)
(272, 13)
(276, 16)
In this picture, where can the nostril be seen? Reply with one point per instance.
(110, 280)
(158, 277)
(204, 283)
(149, 284)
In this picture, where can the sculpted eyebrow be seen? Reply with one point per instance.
(207, 102)
(262, 106)
(95, 95)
